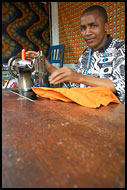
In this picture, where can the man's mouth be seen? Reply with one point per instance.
(90, 40)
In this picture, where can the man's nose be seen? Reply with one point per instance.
(88, 31)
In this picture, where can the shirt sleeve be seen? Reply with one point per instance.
(118, 74)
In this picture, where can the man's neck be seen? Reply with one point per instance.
(102, 43)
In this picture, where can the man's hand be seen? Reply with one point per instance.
(30, 55)
(64, 74)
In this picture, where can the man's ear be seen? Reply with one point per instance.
(106, 26)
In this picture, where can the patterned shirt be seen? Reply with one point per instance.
(114, 68)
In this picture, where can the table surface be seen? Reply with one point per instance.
(52, 144)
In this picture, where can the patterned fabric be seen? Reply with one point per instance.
(114, 68)
(25, 25)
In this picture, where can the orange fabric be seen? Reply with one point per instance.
(90, 97)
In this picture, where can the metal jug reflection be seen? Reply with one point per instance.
(28, 73)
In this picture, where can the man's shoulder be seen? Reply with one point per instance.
(117, 43)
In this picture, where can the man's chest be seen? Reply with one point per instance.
(100, 65)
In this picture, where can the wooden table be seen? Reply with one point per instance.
(52, 144)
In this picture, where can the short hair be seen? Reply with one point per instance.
(98, 8)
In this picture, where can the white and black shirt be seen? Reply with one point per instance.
(114, 68)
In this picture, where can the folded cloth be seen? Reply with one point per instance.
(90, 96)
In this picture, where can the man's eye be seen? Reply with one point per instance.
(82, 29)
(94, 26)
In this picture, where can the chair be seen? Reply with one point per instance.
(56, 55)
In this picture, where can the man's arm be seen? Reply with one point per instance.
(65, 74)
(30, 56)
(94, 81)
(49, 67)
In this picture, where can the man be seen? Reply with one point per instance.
(101, 64)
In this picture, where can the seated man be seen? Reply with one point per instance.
(101, 64)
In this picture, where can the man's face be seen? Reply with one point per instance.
(93, 29)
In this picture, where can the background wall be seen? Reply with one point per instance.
(69, 25)
(25, 25)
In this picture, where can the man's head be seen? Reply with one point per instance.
(93, 24)
(101, 11)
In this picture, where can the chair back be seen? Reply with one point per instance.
(56, 54)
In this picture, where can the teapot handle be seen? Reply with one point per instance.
(11, 64)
